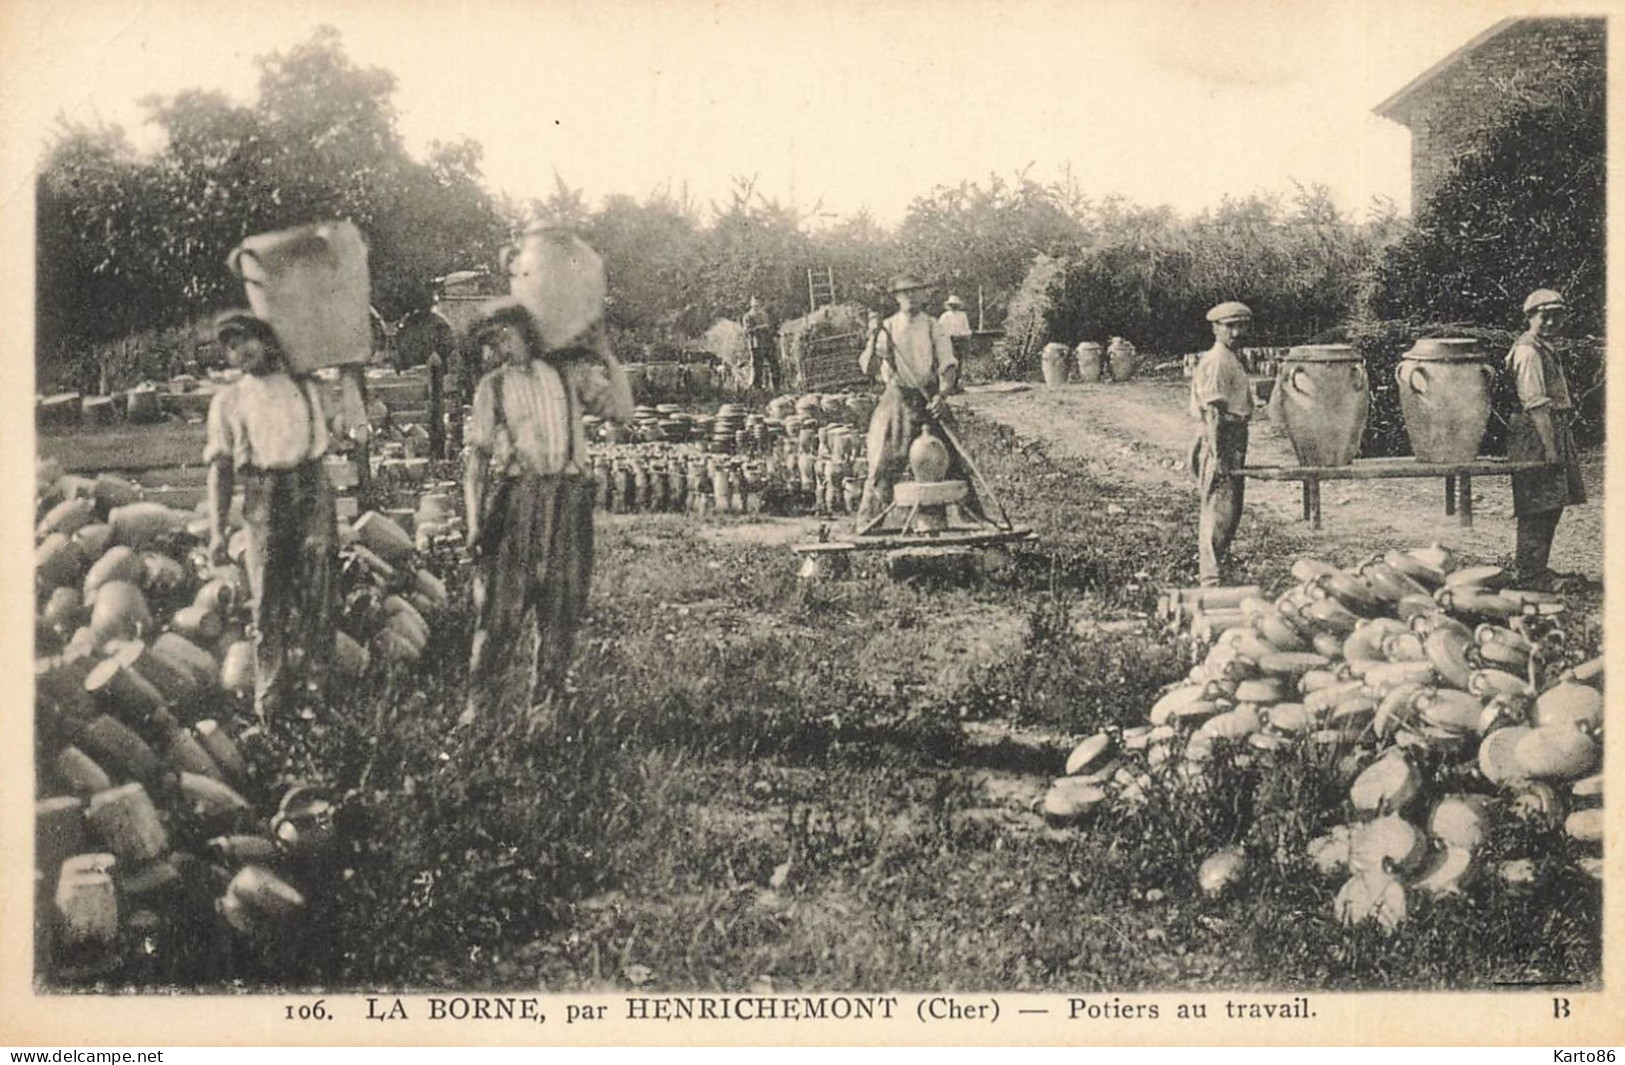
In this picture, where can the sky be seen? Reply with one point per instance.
(835, 103)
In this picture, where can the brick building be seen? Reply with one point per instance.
(1446, 106)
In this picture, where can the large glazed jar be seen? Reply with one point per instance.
(311, 284)
(1055, 360)
(1444, 393)
(1323, 398)
(1123, 358)
(1089, 361)
(560, 280)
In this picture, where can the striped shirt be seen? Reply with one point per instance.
(540, 430)
(267, 422)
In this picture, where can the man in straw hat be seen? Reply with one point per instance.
(1223, 400)
(1542, 431)
(529, 493)
(912, 356)
(956, 323)
(267, 431)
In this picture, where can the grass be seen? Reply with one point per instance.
(759, 783)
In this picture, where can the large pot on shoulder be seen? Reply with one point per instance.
(1323, 399)
(311, 284)
(560, 280)
(1444, 393)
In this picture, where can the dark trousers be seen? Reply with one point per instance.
(1222, 498)
(531, 584)
(291, 558)
(1535, 535)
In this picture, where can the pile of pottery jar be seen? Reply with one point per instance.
(1445, 699)
(147, 819)
(803, 455)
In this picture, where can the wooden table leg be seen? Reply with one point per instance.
(1449, 494)
(1315, 521)
(1308, 511)
(1465, 487)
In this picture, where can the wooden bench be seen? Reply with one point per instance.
(1458, 479)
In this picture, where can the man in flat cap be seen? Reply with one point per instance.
(911, 355)
(267, 431)
(1222, 400)
(1542, 431)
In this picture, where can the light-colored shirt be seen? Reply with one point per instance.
(540, 430)
(920, 346)
(1538, 373)
(1219, 378)
(269, 422)
(955, 323)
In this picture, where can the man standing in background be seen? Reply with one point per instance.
(956, 324)
(764, 369)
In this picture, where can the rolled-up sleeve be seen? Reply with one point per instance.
(1529, 375)
(1206, 387)
(223, 437)
(481, 429)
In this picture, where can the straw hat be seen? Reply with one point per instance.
(906, 283)
(955, 301)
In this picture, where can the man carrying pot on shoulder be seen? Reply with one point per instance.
(529, 493)
(1222, 399)
(1542, 431)
(267, 430)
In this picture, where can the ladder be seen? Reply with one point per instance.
(820, 288)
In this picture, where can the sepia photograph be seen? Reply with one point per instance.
(1032, 521)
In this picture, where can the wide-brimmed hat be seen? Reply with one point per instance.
(1543, 299)
(955, 301)
(240, 322)
(1231, 311)
(906, 283)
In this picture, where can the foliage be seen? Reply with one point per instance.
(1526, 210)
(1147, 275)
(127, 243)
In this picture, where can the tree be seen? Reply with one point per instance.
(1524, 211)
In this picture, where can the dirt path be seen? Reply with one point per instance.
(1141, 432)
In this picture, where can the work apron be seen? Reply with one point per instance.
(1554, 487)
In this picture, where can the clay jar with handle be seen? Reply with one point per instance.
(1123, 357)
(1444, 393)
(1054, 360)
(1323, 399)
(1090, 359)
(311, 284)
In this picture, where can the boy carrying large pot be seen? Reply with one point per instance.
(529, 492)
(268, 431)
(1542, 431)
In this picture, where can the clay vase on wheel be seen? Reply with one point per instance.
(928, 457)
(1323, 399)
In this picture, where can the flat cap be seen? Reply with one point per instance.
(906, 283)
(1542, 299)
(1230, 312)
(237, 320)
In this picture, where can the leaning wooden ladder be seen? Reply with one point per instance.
(820, 288)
